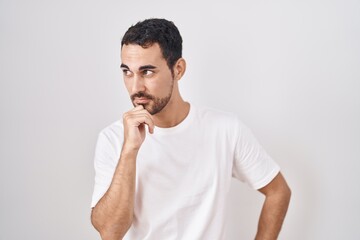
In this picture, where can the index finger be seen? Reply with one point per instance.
(137, 108)
(148, 120)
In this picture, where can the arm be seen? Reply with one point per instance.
(277, 198)
(113, 214)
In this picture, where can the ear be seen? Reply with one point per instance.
(179, 68)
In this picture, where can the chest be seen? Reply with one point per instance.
(170, 165)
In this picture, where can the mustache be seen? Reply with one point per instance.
(140, 95)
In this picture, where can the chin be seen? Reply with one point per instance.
(148, 108)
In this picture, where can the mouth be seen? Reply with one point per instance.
(141, 100)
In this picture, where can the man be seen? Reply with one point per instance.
(172, 182)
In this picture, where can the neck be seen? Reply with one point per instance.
(172, 114)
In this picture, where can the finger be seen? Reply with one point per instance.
(148, 120)
(144, 117)
(141, 115)
(137, 108)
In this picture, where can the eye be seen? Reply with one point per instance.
(147, 73)
(127, 72)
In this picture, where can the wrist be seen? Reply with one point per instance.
(129, 149)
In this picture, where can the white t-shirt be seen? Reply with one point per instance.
(184, 173)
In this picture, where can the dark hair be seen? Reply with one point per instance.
(154, 30)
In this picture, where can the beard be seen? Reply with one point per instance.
(156, 104)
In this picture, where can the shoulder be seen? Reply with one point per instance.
(112, 132)
(216, 116)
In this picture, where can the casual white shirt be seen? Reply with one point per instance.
(184, 173)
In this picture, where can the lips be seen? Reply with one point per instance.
(141, 100)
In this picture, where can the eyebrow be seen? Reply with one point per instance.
(145, 67)
(124, 66)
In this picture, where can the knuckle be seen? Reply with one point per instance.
(127, 116)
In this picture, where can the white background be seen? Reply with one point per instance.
(289, 69)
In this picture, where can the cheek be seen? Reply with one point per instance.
(163, 84)
(159, 88)
(128, 85)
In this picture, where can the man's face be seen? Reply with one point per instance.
(147, 76)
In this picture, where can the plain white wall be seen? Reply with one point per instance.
(289, 69)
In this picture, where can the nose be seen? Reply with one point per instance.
(138, 84)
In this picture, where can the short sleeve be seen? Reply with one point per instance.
(105, 161)
(252, 164)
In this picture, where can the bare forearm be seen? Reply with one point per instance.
(112, 216)
(272, 215)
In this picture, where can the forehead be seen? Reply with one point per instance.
(134, 55)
